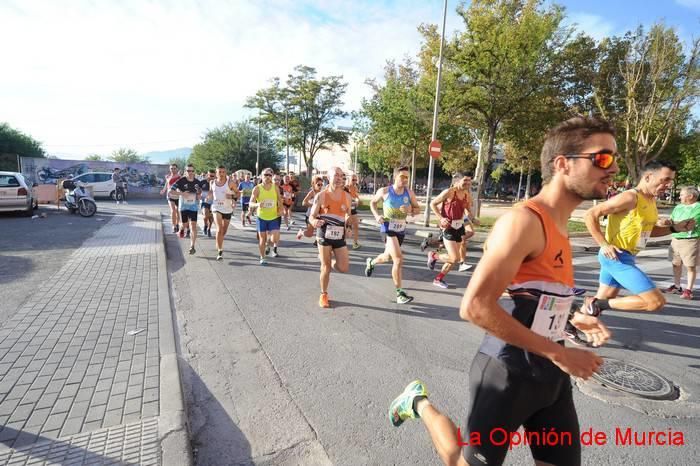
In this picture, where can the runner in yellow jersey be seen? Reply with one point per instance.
(266, 198)
(632, 220)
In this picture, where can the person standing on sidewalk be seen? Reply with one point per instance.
(223, 194)
(266, 198)
(172, 196)
(450, 208)
(190, 190)
(354, 221)
(632, 220)
(521, 374)
(398, 202)
(119, 191)
(245, 187)
(685, 247)
(328, 215)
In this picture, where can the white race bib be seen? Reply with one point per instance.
(456, 224)
(189, 198)
(643, 238)
(398, 226)
(219, 203)
(334, 232)
(267, 204)
(551, 316)
(287, 195)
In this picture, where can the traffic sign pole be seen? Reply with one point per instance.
(436, 109)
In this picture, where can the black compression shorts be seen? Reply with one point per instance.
(503, 399)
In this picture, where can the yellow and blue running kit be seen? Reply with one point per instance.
(394, 219)
(269, 199)
(629, 232)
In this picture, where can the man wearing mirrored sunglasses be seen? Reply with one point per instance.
(632, 220)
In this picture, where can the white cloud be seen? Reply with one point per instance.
(91, 76)
(693, 4)
(592, 25)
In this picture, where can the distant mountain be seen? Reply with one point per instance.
(164, 156)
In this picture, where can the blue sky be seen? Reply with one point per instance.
(90, 76)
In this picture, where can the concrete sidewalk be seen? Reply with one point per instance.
(88, 373)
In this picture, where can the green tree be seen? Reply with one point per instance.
(647, 86)
(308, 105)
(234, 145)
(124, 155)
(94, 158)
(689, 155)
(505, 59)
(13, 141)
(399, 114)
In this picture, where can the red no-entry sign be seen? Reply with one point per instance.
(435, 148)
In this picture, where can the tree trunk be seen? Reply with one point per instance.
(527, 184)
(481, 167)
(413, 170)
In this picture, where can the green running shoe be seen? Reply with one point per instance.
(402, 406)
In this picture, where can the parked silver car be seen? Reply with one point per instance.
(16, 194)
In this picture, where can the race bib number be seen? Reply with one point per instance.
(551, 316)
(398, 226)
(643, 238)
(267, 204)
(354, 203)
(287, 195)
(334, 232)
(189, 198)
(456, 224)
(247, 192)
(220, 203)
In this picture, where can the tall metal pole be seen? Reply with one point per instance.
(436, 109)
(286, 124)
(257, 151)
(354, 169)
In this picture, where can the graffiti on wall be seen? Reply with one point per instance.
(140, 177)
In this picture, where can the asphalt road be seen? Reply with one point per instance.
(272, 379)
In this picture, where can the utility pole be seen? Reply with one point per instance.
(257, 150)
(436, 109)
(286, 124)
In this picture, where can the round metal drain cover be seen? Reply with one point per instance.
(635, 379)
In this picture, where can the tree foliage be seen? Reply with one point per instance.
(647, 87)
(13, 141)
(126, 155)
(309, 105)
(234, 145)
(94, 158)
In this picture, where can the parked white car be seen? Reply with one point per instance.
(16, 194)
(101, 183)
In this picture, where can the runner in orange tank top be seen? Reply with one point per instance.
(328, 215)
(521, 374)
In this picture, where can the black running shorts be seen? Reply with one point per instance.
(503, 399)
(450, 234)
(223, 215)
(188, 216)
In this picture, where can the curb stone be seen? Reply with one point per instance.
(172, 422)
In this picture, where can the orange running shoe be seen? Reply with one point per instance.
(323, 301)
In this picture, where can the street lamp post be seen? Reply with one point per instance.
(286, 125)
(520, 183)
(257, 151)
(436, 109)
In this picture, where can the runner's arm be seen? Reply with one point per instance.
(621, 203)
(309, 199)
(379, 196)
(515, 242)
(414, 204)
(438, 201)
(254, 198)
(315, 207)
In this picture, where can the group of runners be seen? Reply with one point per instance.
(520, 376)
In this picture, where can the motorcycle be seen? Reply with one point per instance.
(78, 199)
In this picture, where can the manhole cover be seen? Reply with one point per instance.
(634, 379)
